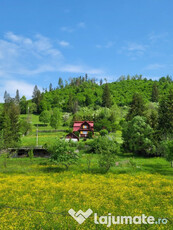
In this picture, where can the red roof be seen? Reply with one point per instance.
(78, 124)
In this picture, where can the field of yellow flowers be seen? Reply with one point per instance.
(37, 196)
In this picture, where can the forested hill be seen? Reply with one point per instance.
(84, 92)
(88, 93)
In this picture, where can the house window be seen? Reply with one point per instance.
(85, 126)
(84, 132)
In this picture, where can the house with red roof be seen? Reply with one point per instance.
(83, 127)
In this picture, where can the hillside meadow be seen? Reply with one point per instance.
(43, 137)
(37, 195)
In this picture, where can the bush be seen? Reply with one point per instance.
(25, 127)
(103, 123)
(167, 147)
(76, 133)
(31, 154)
(90, 134)
(62, 153)
(44, 117)
(103, 132)
(138, 137)
(107, 150)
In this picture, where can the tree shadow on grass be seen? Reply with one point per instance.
(53, 169)
(40, 125)
(158, 169)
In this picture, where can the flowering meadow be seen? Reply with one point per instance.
(36, 195)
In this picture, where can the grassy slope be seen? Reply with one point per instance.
(38, 185)
(44, 137)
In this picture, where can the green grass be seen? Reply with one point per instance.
(43, 137)
(34, 191)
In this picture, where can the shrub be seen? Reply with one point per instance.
(167, 147)
(25, 127)
(44, 117)
(31, 154)
(90, 134)
(76, 133)
(103, 132)
(138, 137)
(62, 153)
(107, 150)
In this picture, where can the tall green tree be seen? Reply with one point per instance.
(165, 112)
(106, 97)
(7, 97)
(60, 83)
(36, 97)
(138, 137)
(23, 105)
(50, 87)
(44, 117)
(17, 97)
(11, 124)
(56, 118)
(155, 93)
(136, 107)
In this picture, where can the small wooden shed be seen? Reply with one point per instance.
(72, 136)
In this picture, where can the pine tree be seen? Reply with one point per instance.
(7, 97)
(106, 97)
(14, 121)
(60, 83)
(10, 125)
(166, 114)
(136, 107)
(7, 137)
(17, 97)
(70, 103)
(155, 93)
(50, 87)
(36, 97)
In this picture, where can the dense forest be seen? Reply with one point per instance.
(84, 92)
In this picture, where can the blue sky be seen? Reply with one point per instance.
(43, 40)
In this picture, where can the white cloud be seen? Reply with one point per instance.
(25, 58)
(64, 43)
(136, 47)
(108, 45)
(12, 37)
(99, 46)
(81, 25)
(12, 85)
(22, 55)
(70, 29)
(154, 37)
(133, 50)
(67, 29)
(154, 66)
(80, 69)
(17, 39)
